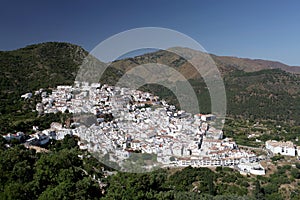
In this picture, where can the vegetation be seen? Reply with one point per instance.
(269, 94)
(261, 131)
(59, 174)
(264, 94)
(270, 97)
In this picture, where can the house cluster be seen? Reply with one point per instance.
(38, 138)
(283, 148)
(16, 136)
(252, 168)
(130, 121)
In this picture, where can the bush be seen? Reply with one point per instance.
(276, 158)
(295, 173)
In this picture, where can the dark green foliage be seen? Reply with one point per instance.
(182, 180)
(61, 174)
(230, 182)
(188, 183)
(258, 191)
(255, 95)
(136, 186)
(295, 173)
(68, 142)
(39, 66)
(270, 188)
(25, 174)
(277, 157)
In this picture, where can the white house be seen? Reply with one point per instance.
(283, 148)
(82, 145)
(252, 168)
(209, 117)
(60, 134)
(27, 96)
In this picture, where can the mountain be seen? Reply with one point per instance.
(39, 66)
(256, 89)
(251, 65)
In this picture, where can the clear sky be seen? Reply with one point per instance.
(267, 29)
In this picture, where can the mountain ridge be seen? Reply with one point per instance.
(251, 94)
(259, 64)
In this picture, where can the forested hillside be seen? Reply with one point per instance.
(265, 94)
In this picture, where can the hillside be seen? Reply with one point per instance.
(40, 65)
(255, 89)
(252, 65)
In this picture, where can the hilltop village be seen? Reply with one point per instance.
(120, 122)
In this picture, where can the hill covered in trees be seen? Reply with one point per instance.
(264, 92)
(60, 173)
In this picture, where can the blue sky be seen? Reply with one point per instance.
(268, 29)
